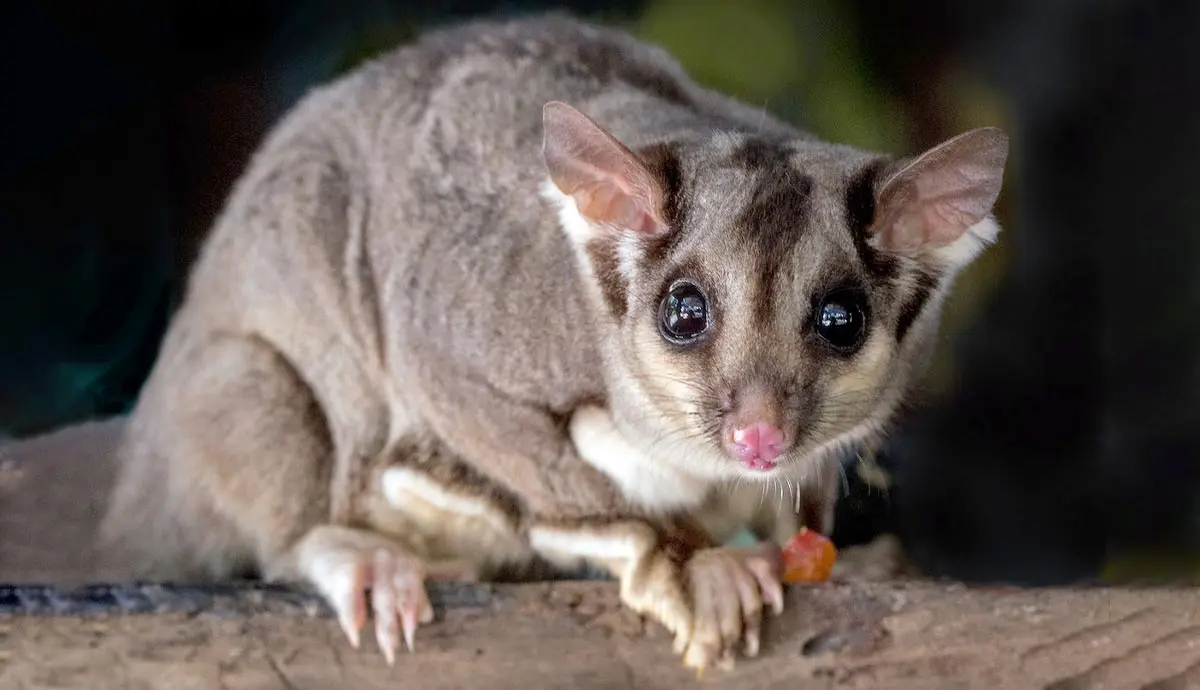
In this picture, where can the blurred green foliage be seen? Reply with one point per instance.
(805, 66)
(1152, 568)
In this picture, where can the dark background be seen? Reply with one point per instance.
(1060, 436)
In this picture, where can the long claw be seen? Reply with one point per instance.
(350, 606)
(408, 622)
(346, 621)
(383, 599)
(389, 654)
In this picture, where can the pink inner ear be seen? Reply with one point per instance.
(934, 200)
(947, 218)
(609, 184)
(933, 220)
(608, 204)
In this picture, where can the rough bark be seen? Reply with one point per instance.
(69, 634)
(904, 635)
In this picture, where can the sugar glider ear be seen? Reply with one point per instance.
(611, 187)
(941, 202)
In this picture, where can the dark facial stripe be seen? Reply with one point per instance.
(663, 162)
(911, 309)
(775, 219)
(603, 255)
(860, 214)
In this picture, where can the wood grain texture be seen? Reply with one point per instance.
(566, 634)
(575, 634)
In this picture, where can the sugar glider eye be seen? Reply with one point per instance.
(683, 315)
(840, 319)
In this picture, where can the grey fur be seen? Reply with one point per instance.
(388, 269)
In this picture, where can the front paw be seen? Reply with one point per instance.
(713, 604)
(729, 588)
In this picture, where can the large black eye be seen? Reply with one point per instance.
(841, 319)
(684, 313)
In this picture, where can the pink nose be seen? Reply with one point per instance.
(759, 441)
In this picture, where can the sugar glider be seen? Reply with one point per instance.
(522, 291)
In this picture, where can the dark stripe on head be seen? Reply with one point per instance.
(606, 266)
(926, 283)
(860, 214)
(759, 153)
(662, 160)
(775, 218)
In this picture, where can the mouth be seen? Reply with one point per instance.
(759, 464)
(761, 461)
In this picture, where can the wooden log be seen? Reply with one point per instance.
(576, 634)
(564, 634)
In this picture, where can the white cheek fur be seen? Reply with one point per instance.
(654, 482)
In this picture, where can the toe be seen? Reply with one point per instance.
(412, 602)
(751, 607)
(706, 640)
(727, 604)
(345, 594)
(383, 599)
(680, 618)
(768, 582)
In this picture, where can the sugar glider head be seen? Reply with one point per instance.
(769, 299)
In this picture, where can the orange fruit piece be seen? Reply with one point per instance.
(808, 557)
